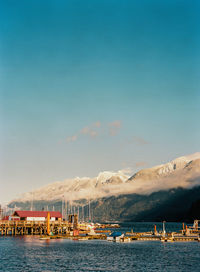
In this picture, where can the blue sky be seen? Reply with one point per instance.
(88, 86)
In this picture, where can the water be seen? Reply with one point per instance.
(31, 254)
(144, 226)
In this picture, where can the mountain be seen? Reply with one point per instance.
(176, 173)
(164, 170)
(150, 194)
(173, 205)
(78, 188)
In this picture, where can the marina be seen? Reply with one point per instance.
(45, 241)
(45, 253)
(50, 225)
(100, 150)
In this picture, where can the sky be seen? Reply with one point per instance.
(88, 86)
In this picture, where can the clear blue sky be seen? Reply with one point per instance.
(88, 86)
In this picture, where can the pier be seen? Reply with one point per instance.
(21, 227)
(51, 225)
(38, 223)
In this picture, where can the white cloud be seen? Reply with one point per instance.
(85, 130)
(97, 124)
(93, 133)
(141, 164)
(140, 140)
(127, 170)
(95, 129)
(71, 139)
(114, 127)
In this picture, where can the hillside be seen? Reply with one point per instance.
(148, 195)
(177, 173)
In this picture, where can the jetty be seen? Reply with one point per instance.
(187, 234)
(51, 225)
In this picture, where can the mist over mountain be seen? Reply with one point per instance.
(78, 188)
(150, 194)
(181, 172)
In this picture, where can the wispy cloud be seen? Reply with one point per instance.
(85, 131)
(97, 124)
(141, 164)
(71, 139)
(114, 127)
(140, 140)
(96, 129)
(127, 170)
(92, 131)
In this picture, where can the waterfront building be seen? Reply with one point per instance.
(37, 215)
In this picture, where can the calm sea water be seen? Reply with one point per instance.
(31, 254)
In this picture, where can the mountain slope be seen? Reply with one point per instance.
(78, 188)
(158, 206)
(181, 172)
(164, 170)
(152, 194)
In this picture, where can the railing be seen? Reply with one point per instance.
(22, 227)
(24, 222)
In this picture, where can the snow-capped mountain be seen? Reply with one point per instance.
(164, 170)
(78, 187)
(182, 172)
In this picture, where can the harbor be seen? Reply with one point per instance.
(51, 225)
(63, 245)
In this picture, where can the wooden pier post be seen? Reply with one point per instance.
(48, 223)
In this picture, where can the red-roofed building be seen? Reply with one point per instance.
(10, 218)
(37, 215)
(6, 217)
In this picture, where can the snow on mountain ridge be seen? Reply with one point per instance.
(169, 175)
(74, 188)
(103, 177)
(178, 163)
(165, 169)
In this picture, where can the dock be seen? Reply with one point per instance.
(33, 228)
(51, 225)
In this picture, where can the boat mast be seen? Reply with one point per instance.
(83, 213)
(164, 231)
(31, 208)
(89, 215)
